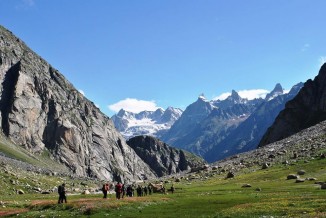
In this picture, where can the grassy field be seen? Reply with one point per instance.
(270, 195)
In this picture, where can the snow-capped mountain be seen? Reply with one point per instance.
(209, 128)
(153, 123)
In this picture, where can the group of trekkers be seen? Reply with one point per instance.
(120, 191)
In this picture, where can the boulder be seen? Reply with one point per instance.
(230, 175)
(20, 192)
(323, 186)
(258, 189)
(299, 180)
(177, 180)
(246, 186)
(301, 172)
(292, 176)
(265, 166)
(86, 192)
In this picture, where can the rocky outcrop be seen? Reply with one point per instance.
(162, 158)
(304, 110)
(41, 110)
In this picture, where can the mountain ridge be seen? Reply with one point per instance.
(42, 111)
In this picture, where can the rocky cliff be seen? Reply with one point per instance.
(40, 110)
(306, 109)
(162, 158)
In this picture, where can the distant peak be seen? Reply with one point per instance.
(121, 112)
(278, 88)
(159, 110)
(234, 94)
(202, 96)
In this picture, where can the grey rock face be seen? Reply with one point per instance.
(162, 158)
(41, 110)
(304, 110)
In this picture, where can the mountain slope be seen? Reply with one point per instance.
(42, 111)
(248, 134)
(163, 159)
(192, 116)
(228, 126)
(306, 109)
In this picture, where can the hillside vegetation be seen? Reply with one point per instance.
(252, 192)
(252, 184)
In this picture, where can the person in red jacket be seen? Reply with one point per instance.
(118, 190)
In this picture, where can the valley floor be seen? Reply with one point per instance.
(202, 194)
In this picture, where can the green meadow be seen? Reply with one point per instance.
(210, 195)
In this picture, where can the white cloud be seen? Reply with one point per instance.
(81, 92)
(133, 105)
(305, 47)
(248, 94)
(222, 96)
(322, 60)
(253, 93)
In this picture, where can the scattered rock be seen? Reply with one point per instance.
(311, 179)
(323, 186)
(38, 189)
(86, 192)
(76, 190)
(177, 180)
(230, 175)
(265, 166)
(319, 183)
(301, 172)
(45, 192)
(246, 186)
(286, 162)
(292, 176)
(20, 192)
(258, 189)
(272, 156)
(299, 180)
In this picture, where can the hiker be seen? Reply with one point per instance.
(118, 190)
(62, 194)
(163, 190)
(149, 189)
(123, 190)
(130, 191)
(145, 191)
(172, 189)
(139, 191)
(105, 190)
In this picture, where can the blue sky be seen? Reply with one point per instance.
(144, 54)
